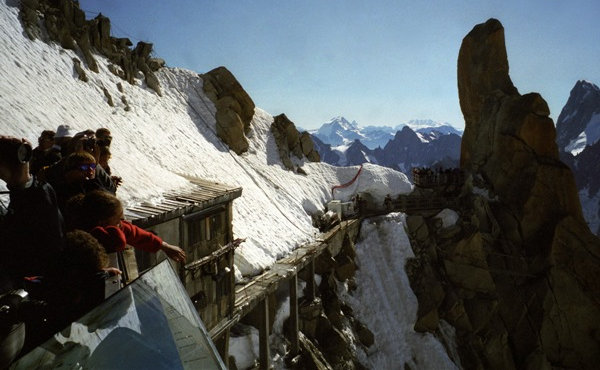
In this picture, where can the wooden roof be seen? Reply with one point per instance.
(204, 195)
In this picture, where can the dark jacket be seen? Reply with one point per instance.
(32, 232)
(43, 158)
(55, 176)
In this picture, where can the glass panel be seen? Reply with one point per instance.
(150, 323)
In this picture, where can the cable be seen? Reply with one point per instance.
(242, 166)
(348, 183)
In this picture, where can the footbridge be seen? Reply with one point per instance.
(254, 295)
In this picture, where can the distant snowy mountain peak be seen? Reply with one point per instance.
(340, 131)
(417, 123)
(342, 122)
(578, 124)
(578, 139)
(429, 129)
(587, 85)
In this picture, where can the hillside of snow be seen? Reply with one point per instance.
(163, 141)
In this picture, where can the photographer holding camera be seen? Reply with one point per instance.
(31, 242)
(32, 231)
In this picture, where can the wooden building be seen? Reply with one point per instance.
(199, 220)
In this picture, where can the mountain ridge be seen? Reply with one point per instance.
(405, 149)
(340, 131)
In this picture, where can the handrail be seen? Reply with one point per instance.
(214, 255)
(348, 183)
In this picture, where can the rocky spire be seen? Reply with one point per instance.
(509, 139)
(544, 260)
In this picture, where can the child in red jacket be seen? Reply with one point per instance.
(101, 214)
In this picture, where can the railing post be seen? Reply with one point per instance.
(263, 335)
(294, 338)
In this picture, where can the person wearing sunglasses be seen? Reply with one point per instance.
(79, 177)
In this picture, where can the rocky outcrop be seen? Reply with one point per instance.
(65, 23)
(328, 321)
(520, 267)
(291, 142)
(235, 108)
(509, 138)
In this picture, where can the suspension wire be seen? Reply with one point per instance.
(237, 160)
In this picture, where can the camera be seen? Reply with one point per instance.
(24, 153)
(89, 144)
(10, 304)
(14, 151)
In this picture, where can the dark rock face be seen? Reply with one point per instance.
(65, 23)
(509, 139)
(587, 169)
(577, 115)
(520, 267)
(289, 141)
(577, 136)
(235, 108)
(406, 150)
(325, 152)
(357, 153)
(486, 71)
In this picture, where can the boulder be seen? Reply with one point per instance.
(312, 358)
(289, 141)
(230, 129)
(346, 267)
(29, 15)
(365, 336)
(235, 108)
(308, 147)
(80, 72)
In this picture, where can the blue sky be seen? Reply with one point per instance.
(376, 62)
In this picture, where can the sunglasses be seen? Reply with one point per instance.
(87, 167)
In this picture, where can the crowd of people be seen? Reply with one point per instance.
(62, 219)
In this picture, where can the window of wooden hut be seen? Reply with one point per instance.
(216, 230)
(196, 231)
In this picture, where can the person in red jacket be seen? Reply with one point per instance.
(101, 214)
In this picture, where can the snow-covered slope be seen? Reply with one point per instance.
(163, 140)
(382, 278)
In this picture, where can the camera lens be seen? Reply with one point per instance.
(24, 153)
